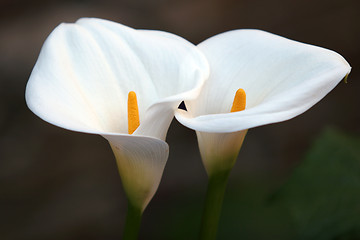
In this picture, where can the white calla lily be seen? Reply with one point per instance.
(82, 79)
(282, 78)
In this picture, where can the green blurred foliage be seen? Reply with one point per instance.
(323, 195)
(320, 200)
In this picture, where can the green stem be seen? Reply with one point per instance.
(132, 224)
(213, 203)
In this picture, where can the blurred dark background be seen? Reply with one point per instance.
(294, 180)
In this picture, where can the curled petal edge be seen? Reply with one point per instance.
(272, 110)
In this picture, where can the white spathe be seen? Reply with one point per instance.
(219, 150)
(282, 78)
(83, 76)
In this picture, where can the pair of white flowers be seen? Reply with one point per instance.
(85, 71)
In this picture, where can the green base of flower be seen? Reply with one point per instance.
(132, 224)
(213, 204)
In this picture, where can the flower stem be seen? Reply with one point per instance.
(213, 203)
(132, 224)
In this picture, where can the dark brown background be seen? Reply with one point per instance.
(57, 184)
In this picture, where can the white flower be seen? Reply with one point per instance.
(282, 79)
(82, 79)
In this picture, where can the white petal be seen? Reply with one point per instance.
(282, 79)
(85, 71)
(141, 161)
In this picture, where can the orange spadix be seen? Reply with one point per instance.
(239, 102)
(133, 113)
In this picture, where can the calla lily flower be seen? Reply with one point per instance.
(82, 79)
(256, 78)
(282, 78)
